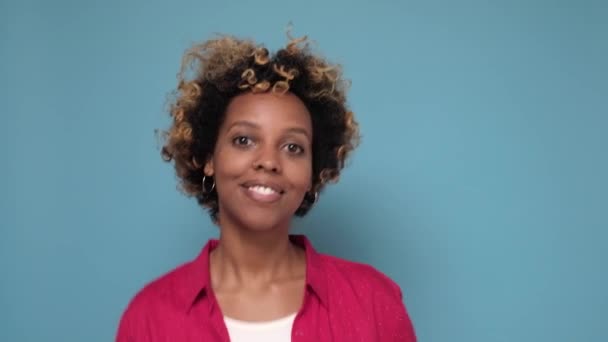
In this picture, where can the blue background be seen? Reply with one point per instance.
(480, 185)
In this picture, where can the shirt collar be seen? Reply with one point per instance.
(316, 277)
(197, 282)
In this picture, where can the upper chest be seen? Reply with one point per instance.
(266, 302)
(313, 322)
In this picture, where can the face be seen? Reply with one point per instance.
(262, 162)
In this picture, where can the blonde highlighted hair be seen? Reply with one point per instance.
(217, 70)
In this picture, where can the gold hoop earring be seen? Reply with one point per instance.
(314, 198)
(205, 191)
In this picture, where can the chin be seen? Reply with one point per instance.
(248, 214)
(258, 219)
(262, 222)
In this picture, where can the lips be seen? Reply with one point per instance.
(264, 192)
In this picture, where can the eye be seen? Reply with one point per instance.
(242, 141)
(294, 148)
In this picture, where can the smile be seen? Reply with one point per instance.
(262, 190)
(263, 193)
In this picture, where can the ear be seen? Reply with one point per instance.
(209, 169)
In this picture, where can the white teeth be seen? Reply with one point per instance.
(262, 190)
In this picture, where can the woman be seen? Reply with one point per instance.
(255, 138)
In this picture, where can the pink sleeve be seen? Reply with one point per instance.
(396, 325)
(132, 326)
(404, 329)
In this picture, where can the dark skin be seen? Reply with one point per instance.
(262, 167)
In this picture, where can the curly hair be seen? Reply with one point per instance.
(217, 70)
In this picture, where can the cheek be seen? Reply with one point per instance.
(229, 164)
(301, 174)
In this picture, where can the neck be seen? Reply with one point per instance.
(244, 256)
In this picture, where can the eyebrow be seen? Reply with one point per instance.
(296, 130)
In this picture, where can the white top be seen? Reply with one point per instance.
(278, 330)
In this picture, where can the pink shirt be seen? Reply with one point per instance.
(344, 301)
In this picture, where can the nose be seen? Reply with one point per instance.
(267, 161)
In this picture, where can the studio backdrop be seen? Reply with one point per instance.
(479, 186)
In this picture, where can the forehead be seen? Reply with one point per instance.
(269, 111)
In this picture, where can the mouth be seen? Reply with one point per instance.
(263, 192)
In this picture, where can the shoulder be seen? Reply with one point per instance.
(362, 276)
(167, 289)
(158, 299)
(373, 292)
